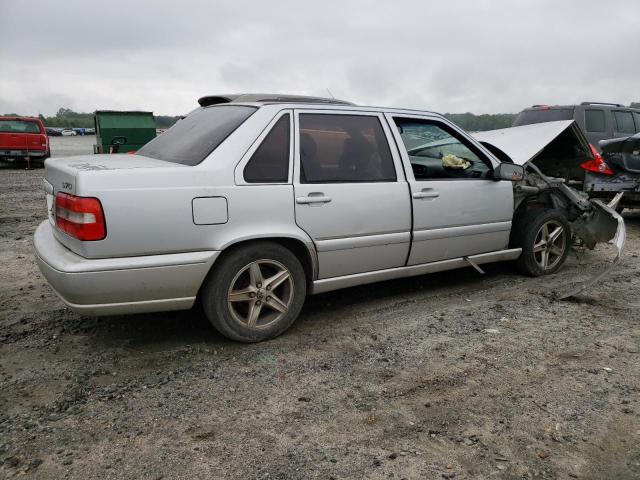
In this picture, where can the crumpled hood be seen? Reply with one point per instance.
(522, 144)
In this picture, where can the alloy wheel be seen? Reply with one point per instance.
(261, 293)
(550, 244)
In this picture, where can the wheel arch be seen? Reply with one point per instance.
(303, 249)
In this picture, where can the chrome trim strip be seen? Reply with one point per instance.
(336, 283)
(363, 241)
(435, 233)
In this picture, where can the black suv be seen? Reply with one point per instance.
(606, 174)
(598, 121)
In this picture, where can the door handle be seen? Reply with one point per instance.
(426, 193)
(313, 198)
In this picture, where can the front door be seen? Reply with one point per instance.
(351, 196)
(458, 210)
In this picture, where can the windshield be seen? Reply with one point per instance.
(528, 117)
(192, 139)
(19, 126)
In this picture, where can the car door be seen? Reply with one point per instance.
(458, 210)
(350, 192)
(623, 124)
(596, 127)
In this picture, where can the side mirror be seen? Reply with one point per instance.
(508, 171)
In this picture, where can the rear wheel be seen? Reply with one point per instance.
(545, 239)
(255, 292)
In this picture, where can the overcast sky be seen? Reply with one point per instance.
(483, 56)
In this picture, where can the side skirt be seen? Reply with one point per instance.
(336, 283)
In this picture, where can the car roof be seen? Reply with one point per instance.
(267, 98)
(583, 104)
(300, 101)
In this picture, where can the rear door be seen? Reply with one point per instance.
(351, 196)
(623, 123)
(458, 210)
(597, 124)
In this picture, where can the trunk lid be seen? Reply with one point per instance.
(85, 176)
(62, 173)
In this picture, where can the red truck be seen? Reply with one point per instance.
(22, 138)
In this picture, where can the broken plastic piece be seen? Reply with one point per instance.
(618, 241)
(474, 265)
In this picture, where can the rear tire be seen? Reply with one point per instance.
(545, 238)
(254, 292)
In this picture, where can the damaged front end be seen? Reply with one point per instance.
(551, 154)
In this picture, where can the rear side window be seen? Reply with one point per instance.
(594, 120)
(19, 126)
(344, 148)
(541, 115)
(270, 162)
(637, 118)
(624, 122)
(192, 139)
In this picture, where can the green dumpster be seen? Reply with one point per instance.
(121, 132)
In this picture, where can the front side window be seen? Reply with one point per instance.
(270, 162)
(438, 152)
(193, 138)
(594, 120)
(344, 148)
(624, 122)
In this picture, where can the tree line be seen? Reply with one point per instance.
(67, 118)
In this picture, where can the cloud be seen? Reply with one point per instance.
(480, 56)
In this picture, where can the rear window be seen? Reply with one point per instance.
(527, 117)
(19, 126)
(190, 140)
(624, 122)
(594, 120)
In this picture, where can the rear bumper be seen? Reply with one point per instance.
(25, 153)
(606, 186)
(111, 286)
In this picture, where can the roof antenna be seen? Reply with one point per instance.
(330, 93)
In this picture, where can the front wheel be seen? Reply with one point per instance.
(545, 239)
(255, 292)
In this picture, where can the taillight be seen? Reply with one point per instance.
(597, 165)
(80, 217)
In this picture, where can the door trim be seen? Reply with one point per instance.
(459, 231)
(331, 244)
(337, 283)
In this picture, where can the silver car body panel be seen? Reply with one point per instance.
(167, 223)
(448, 219)
(110, 286)
(327, 285)
(349, 234)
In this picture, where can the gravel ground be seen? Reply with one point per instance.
(451, 375)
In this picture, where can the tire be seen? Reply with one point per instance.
(238, 296)
(541, 255)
